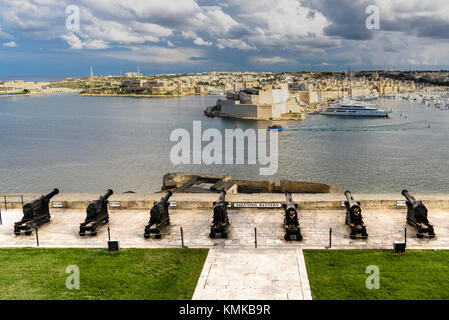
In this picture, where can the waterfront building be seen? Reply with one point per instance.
(269, 102)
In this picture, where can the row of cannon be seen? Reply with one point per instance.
(37, 212)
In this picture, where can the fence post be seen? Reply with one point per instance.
(405, 237)
(182, 238)
(1, 221)
(22, 200)
(6, 206)
(37, 236)
(330, 238)
(109, 234)
(255, 237)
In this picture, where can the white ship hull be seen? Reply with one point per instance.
(378, 114)
(353, 109)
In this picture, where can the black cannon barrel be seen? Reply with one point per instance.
(222, 198)
(51, 194)
(350, 199)
(289, 198)
(167, 196)
(289, 203)
(408, 196)
(106, 195)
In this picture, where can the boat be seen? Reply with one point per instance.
(352, 108)
(276, 127)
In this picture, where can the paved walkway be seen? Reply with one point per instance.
(253, 274)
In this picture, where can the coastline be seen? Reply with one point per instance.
(135, 95)
(259, 119)
(15, 95)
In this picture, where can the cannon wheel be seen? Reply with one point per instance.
(82, 233)
(298, 236)
(146, 236)
(224, 235)
(93, 233)
(28, 232)
(364, 234)
(212, 235)
(287, 237)
(158, 236)
(17, 233)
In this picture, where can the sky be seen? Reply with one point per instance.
(43, 38)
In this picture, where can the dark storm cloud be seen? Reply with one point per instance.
(425, 27)
(347, 17)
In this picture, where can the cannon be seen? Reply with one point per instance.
(220, 220)
(354, 218)
(97, 213)
(291, 221)
(35, 213)
(159, 217)
(417, 216)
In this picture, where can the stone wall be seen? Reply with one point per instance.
(239, 110)
(205, 201)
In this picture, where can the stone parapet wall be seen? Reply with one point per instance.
(189, 201)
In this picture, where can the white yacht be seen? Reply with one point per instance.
(354, 109)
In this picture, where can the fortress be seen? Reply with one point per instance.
(270, 102)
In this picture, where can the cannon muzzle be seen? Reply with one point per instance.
(351, 201)
(289, 198)
(222, 198)
(408, 196)
(167, 196)
(106, 195)
(51, 194)
(349, 196)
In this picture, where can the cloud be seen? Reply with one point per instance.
(200, 42)
(234, 44)
(189, 34)
(96, 44)
(73, 41)
(264, 31)
(155, 54)
(11, 44)
(271, 60)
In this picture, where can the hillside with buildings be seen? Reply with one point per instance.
(305, 89)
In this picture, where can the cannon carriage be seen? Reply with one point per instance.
(220, 220)
(291, 220)
(97, 213)
(417, 216)
(35, 214)
(354, 218)
(159, 217)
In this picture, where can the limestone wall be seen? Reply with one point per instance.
(205, 201)
(239, 110)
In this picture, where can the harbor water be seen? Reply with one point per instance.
(90, 144)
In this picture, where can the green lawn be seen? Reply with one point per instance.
(128, 274)
(341, 275)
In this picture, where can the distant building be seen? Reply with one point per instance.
(270, 102)
(133, 75)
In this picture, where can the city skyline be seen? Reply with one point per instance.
(42, 38)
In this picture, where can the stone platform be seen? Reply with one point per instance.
(383, 226)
